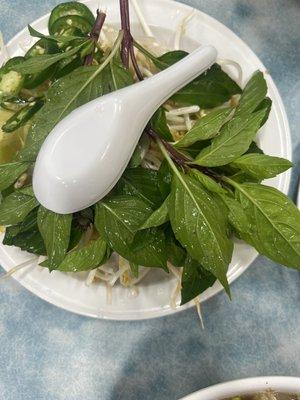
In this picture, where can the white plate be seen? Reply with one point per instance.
(280, 384)
(70, 291)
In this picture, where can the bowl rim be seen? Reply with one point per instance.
(60, 301)
(283, 384)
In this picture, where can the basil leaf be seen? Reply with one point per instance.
(200, 226)
(236, 216)
(56, 38)
(176, 254)
(88, 257)
(195, 280)
(55, 230)
(266, 105)
(9, 173)
(158, 217)
(118, 218)
(143, 183)
(261, 166)
(121, 76)
(208, 90)
(253, 94)
(26, 235)
(34, 65)
(206, 127)
(211, 89)
(148, 248)
(210, 184)
(193, 150)
(159, 124)
(164, 176)
(15, 207)
(65, 95)
(234, 139)
(254, 149)
(169, 58)
(274, 222)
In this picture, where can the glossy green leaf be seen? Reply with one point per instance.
(34, 65)
(209, 183)
(211, 89)
(121, 77)
(15, 207)
(83, 259)
(266, 105)
(143, 183)
(159, 124)
(208, 90)
(206, 127)
(236, 215)
(274, 222)
(118, 218)
(169, 58)
(234, 139)
(55, 230)
(158, 217)
(176, 254)
(195, 280)
(253, 148)
(164, 176)
(200, 225)
(9, 173)
(253, 94)
(261, 166)
(26, 235)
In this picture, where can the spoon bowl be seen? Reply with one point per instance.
(86, 153)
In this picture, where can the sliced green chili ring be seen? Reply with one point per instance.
(42, 46)
(68, 9)
(8, 66)
(21, 117)
(71, 21)
(14, 104)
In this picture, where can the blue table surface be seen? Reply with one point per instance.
(48, 353)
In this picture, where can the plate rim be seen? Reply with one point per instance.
(285, 384)
(54, 298)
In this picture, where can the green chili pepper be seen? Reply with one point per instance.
(22, 116)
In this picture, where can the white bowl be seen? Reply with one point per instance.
(282, 384)
(69, 291)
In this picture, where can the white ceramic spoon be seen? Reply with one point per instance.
(86, 153)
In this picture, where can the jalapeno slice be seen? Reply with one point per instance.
(22, 116)
(69, 9)
(71, 21)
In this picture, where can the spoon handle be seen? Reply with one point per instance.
(162, 86)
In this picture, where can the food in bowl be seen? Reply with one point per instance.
(266, 395)
(192, 185)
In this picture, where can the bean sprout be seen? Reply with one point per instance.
(181, 29)
(17, 268)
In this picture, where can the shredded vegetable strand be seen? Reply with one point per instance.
(142, 19)
(181, 29)
(234, 64)
(17, 268)
(198, 308)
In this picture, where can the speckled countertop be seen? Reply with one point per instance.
(50, 354)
